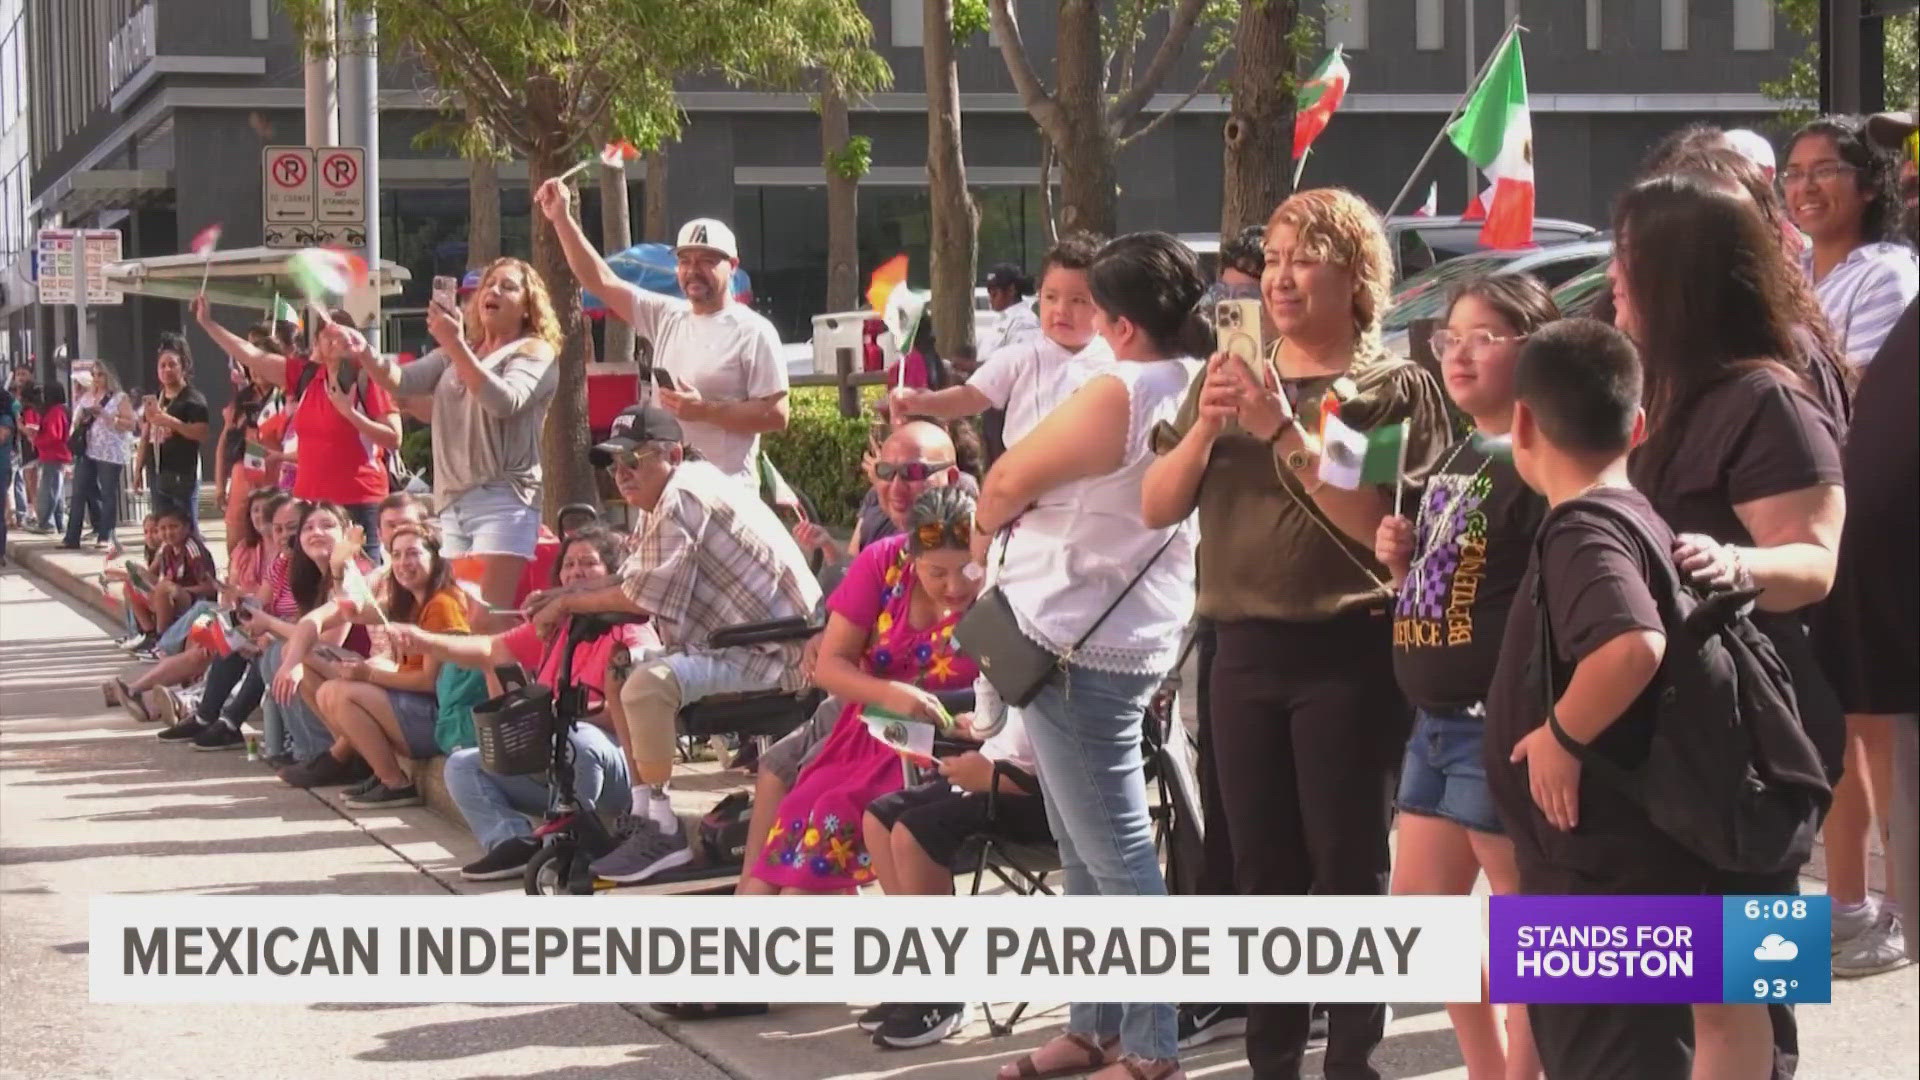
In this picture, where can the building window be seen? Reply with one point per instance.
(1673, 25)
(1593, 25)
(1429, 25)
(1753, 25)
(1347, 24)
(908, 24)
(260, 25)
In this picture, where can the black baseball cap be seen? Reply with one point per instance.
(636, 425)
(1004, 276)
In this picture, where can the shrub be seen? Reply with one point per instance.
(819, 452)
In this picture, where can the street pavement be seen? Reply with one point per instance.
(90, 803)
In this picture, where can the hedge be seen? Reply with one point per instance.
(819, 452)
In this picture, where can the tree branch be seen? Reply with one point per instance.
(495, 87)
(1179, 28)
(1206, 76)
(1039, 104)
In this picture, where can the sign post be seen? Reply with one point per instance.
(71, 266)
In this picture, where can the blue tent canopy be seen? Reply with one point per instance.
(650, 267)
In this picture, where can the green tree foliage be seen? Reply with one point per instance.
(1799, 91)
(549, 79)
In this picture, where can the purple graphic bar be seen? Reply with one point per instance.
(1604, 950)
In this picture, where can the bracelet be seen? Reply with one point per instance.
(1742, 577)
(1285, 423)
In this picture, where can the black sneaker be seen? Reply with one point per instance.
(139, 643)
(191, 729)
(276, 762)
(1202, 1024)
(507, 859)
(871, 1020)
(362, 787)
(324, 770)
(220, 736)
(920, 1025)
(383, 797)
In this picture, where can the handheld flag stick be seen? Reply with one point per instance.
(1413, 178)
(1400, 470)
(1300, 166)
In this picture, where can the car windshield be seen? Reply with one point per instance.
(1421, 295)
(1577, 295)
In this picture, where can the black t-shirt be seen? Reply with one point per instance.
(177, 454)
(1472, 536)
(1595, 575)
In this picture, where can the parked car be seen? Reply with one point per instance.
(1423, 295)
(1421, 243)
(1577, 295)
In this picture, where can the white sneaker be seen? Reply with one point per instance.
(1850, 924)
(1882, 948)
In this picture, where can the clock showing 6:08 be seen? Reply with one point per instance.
(1776, 949)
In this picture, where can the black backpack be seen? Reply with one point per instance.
(1730, 774)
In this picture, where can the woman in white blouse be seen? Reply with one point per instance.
(100, 402)
(1069, 497)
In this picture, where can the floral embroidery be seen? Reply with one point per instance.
(828, 848)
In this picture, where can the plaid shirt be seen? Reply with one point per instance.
(712, 555)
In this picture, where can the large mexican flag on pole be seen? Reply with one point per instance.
(1319, 96)
(1495, 132)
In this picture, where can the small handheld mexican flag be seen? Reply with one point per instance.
(613, 155)
(1319, 96)
(203, 244)
(1351, 459)
(211, 632)
(912, 739)
(360, 590)
(254, 462)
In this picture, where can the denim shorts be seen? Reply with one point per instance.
(489, 520)
(416, 713)
(1443, 774)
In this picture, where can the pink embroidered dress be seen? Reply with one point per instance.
(815, 843)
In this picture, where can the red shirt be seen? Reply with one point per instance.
(337, 463)
(51, 442)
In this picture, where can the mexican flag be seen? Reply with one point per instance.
(1351, 459)
(254, 463)
(1495, 132)
(1319, 96)
(211, 632)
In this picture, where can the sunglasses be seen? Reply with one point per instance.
(912, 472)
(631, 459)
(935, 535)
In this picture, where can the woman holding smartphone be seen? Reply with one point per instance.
(490, 380)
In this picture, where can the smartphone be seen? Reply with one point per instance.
(446, 291)
(658, 375)
(1241, 331)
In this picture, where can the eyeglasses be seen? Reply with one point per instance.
(1818, 174)
(935, 535)
(909, 472)
(1445, 341)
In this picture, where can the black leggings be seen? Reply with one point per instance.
(1307, 727)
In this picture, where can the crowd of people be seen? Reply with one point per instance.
(1443, 649)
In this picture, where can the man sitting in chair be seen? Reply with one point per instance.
(707, 554)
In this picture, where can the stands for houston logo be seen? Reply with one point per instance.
(797, 949)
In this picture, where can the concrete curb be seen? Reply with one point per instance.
(32, 554)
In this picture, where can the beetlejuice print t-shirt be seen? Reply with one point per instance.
(1471, 540)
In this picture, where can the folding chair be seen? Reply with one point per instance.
(1022, 867)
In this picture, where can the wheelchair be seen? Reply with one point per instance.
(572, 836)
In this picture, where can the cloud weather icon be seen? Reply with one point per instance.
(1775, 947)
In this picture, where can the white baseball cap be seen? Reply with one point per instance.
(1753, 146)
(710, 234)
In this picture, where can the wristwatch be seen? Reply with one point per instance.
(1297, 460)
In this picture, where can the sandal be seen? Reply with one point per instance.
(135, 704)
(110, 692)
(1139, 1068)
(1027, 1068)
(681, 1010)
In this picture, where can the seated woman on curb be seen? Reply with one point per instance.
(324, 547)
(373, 708)
(495, 806)
(888, 643)
(915, 836)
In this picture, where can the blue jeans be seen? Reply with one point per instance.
(496, 807)
(50, 505)
(1444, 774)
(96, 491)
(290, 727)
(6, 488)
(1085, 728)
(174, 638)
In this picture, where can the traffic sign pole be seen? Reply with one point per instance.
(80, 298)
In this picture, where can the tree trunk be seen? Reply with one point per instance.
(956, 220)
(483, 213)
(616, 235)
(1259, 130)
(654, 226)
(1084, 146)
(568, 478)
(843, 193)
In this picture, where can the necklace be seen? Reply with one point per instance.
(1441, 531)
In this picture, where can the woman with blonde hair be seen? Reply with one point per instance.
(1306, 723)
(105, 411)
(490, 380)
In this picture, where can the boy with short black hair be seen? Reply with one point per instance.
(1577, 417)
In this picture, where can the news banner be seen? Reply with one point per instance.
(514, 948)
